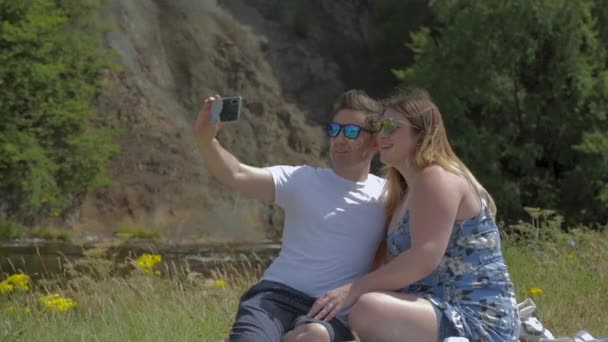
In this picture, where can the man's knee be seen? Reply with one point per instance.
(311, 332)
(258, 319)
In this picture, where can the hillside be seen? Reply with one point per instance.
(287, 64)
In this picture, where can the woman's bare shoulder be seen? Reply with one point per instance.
(435, 174)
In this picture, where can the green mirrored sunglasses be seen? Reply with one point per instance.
(390, 125)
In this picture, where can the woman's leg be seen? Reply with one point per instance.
(311, 332)
(391, 316)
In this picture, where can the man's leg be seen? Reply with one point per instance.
(263, 315)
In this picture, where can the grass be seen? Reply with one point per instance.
(176, 305)
(133, 310)
(12, 230)
(570, 269)
(138, 232)
(52, 234)
(572, 274)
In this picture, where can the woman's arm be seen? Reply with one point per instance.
(434, 205)
(380, 256)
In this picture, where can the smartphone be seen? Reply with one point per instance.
(228, 109)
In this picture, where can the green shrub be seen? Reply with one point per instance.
(52, 143)
(11, 230)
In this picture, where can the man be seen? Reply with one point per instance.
(334, 222)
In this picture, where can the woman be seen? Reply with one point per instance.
(446, 275)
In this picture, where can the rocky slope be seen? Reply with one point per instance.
(288, 59)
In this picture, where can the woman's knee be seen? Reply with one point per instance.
(393, 317)
(367, 309)
(311, 332)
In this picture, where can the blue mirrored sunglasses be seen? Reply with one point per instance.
(350, 131)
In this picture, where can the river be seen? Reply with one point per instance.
(42, 258)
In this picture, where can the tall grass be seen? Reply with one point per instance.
(171, 304)
(571, 270)
(133, 310)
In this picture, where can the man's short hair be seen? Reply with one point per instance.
(358, 100)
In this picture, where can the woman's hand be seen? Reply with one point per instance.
(333, 302)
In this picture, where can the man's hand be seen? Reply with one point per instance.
(251, 181)
(204, 130)
(333, 302)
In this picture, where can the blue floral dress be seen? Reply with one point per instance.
(471, 286)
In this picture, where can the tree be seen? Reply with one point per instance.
(52, 143)
(523, 86)
(391, 19)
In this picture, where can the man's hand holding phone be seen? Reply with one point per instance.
(204, 129)
(216, 111)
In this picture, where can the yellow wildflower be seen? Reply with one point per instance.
(20, 281)
(6, 287)
(219, 283)
(535, 291)
(148, 261)
(571, 254)
(56, 302)
(157, 273)
(27, 309)
(10, 308)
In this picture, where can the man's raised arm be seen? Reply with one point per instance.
(251, 181)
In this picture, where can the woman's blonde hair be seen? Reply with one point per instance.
(432, 146)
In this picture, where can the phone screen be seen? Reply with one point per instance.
(226, 110)
(231, 109)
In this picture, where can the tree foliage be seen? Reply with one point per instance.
(523, 87)
(52, 143)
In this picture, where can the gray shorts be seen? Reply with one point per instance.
(269, 309)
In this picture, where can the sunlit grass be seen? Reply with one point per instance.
(12, 230)
(152, 300)
(567, 279)
(48, 233)
(131, 310)
(138, 232)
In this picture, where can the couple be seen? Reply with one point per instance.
(429, 223)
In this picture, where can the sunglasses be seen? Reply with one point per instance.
(390, 125)
(350, 131)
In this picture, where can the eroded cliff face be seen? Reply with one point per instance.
(288, 62)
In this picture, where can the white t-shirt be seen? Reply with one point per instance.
(333, 227)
